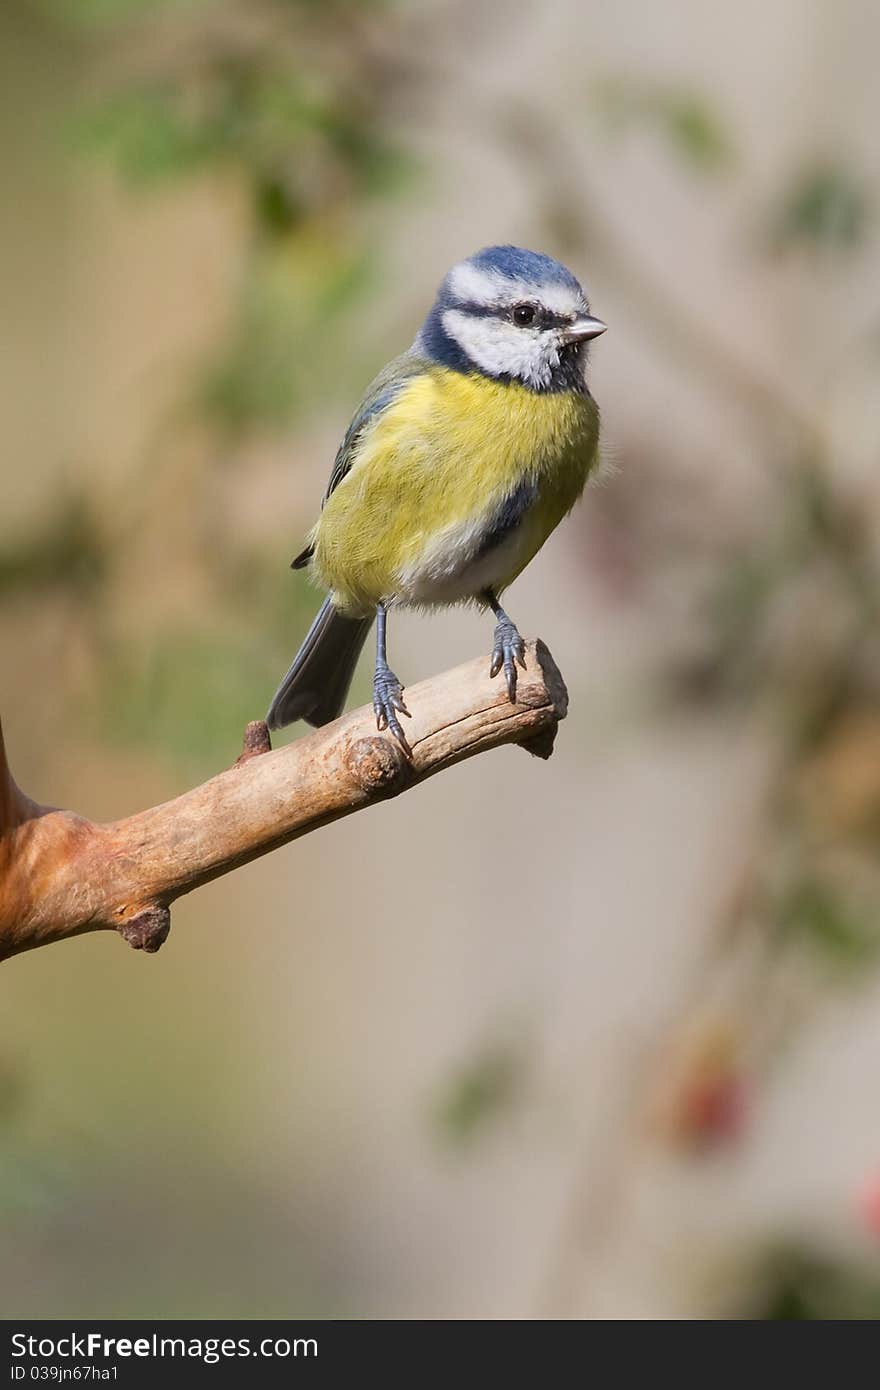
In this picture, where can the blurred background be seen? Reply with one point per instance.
(597, 1038)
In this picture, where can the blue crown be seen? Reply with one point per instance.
(519, 264)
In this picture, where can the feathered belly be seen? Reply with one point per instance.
(458, 565)
(456, 488)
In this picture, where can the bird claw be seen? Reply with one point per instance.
(508, 652)
(388, 703)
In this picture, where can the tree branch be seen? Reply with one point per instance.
(61, 875)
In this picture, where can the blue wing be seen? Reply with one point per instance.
(379, 395)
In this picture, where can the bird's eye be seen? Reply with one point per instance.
(524, 314)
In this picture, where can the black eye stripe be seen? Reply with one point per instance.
(544, 318)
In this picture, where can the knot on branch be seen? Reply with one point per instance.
(148, 930)
(256, 741)
(378, 766)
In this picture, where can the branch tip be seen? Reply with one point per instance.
(556, 687)
(541, 745)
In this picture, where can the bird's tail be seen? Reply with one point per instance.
(317, 683)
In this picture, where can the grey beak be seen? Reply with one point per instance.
(583, 329)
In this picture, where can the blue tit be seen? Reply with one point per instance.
(463, 456)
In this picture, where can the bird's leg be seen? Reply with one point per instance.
(387, 690)
(509, 647)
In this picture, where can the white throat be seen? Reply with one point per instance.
(501, 348)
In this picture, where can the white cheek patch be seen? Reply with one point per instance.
(500, 348)
(490, 288)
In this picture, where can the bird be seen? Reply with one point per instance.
(463, 456)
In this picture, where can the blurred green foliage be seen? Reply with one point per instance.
(478, 1093)
(286, 98)
(815, 530)
(826, 207)
(13, 1090)
(102, 14)
(685, 119)
(282, 103)
(800, 1285)
(817, 914)
(186, 691)
(67, 550)
(89, 14)
(301, 143)
(188, 696)
(281, 353)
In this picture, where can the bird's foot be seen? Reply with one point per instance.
(388, 703)
(509, 649)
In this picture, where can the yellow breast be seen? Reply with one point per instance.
(439, 461)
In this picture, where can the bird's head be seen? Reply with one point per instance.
(513, 315)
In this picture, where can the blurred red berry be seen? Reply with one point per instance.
(714, 1110)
